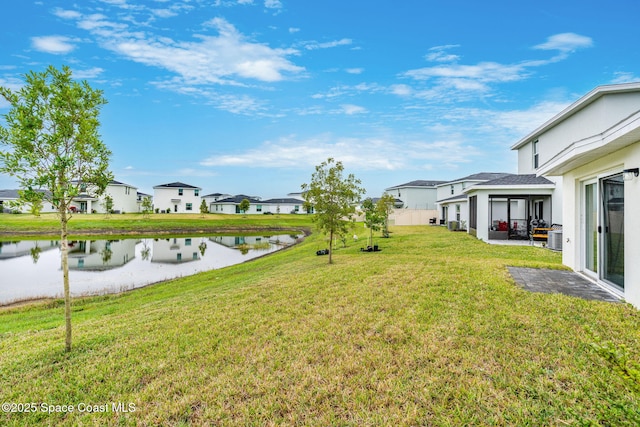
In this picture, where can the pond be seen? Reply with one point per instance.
(31, 269)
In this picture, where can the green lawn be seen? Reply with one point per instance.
(24, 224)
(429, 331)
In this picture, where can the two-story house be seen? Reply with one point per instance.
(177, 197)
(594, 147)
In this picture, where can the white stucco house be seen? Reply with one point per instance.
(177, 197)
(284, 205)
(209, 199)
(231, 205)
(594, 147)
(452, 202)
(124, 197)
(419, 194)
(8, 197)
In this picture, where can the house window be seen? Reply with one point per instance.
(189, 206)
(473, 212)
(180, 192)
(296, 208)
(452, 189)
(196, 192)
(187, 242)
(258, 208)
(458, 213)
(535, 154)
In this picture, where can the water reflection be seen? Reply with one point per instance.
(31, 269)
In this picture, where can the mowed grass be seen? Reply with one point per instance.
(82, 224)
(429, 331)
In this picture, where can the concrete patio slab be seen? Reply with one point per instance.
(560, 281)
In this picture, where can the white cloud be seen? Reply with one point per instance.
(273, 4)
(90, 73)
(439, 54)
(53, 44)
(355, 70)
(624, 77)
(565, 42)
(66, 14)
(401, 90)
(383, 153)
(455, 82)
(351, 109)
(164, 13)
(222, 59)
(313, 45)
(294, 30)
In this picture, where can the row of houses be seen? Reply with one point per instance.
(175, 197)
(579, 170)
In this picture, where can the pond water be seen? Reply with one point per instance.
(32, 269)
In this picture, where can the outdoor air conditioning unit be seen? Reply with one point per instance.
(554, 240)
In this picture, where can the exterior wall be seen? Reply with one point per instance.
(168, 198)
(47, 207)
(416, 197)
(525, 159)
(285, 208)
(412, 216)
(592, 120)
(573, 240)
(452, 212)
(125, 199)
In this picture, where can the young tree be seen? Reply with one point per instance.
(51, 142)
(333, 198)
(147, 207)
(385, 206)
(107, 204)
(373, 218)
(203, 208)
(244, 206)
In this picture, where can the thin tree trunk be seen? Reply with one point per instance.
(330, 246)
(64, 254)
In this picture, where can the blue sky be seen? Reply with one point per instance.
(247, 96)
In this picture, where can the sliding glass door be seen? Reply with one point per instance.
(612, 230)
(603, 229)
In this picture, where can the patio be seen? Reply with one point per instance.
(560, 281)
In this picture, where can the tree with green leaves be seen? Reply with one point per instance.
(203, 208)
(51, 142)
(147, 207)
(385, 205)
(244, 206)
(373, 218)
(107, 204)
(333, 198)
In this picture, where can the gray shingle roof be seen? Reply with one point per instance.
(283, 201)
(418, 183)
(515, 180)
(481, 176)
(238, 199)
(175, 185)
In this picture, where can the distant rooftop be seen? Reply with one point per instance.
(176, 185)
(417, 183)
